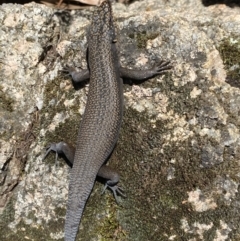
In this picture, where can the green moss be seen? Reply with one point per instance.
(6, 102)
(54, 93)
(155, 205)
(151, 198)
(61, 212)
(7, 216)
(67, 130)
(142, 38)
(230, 52)
(110, 226)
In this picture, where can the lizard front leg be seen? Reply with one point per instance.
(136, 74)
(145, 74)
(161, 67)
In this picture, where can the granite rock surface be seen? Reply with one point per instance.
(179, 149)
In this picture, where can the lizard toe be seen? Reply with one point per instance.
(117, 191)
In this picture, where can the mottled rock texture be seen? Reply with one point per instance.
(179, 149)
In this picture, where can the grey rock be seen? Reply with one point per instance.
(179, 149)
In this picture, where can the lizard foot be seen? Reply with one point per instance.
(116, 191)
(77, 75)
(162, 66)
(68, 69)
(52, 147)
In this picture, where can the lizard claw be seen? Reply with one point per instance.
(49, 148)
(68, 69)
(77, 76)
(162, 66)
(116, 191)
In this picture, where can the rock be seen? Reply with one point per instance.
(178, 152)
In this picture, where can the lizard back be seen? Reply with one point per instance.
(99, 128)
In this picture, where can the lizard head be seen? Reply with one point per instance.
(103, 23)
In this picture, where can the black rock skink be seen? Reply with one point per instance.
(99, 128)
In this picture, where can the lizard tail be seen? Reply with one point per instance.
(77, 198)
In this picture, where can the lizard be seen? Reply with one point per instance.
(102, 118)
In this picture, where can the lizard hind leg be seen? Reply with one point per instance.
(112, 178)
(49, 148)
(116, 191)
(105, 172)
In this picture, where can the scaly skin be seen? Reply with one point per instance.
(99, 128)
(102, 119)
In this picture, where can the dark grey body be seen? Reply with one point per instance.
(101, 122)
(99, 128)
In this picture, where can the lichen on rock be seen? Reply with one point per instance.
(179, 147)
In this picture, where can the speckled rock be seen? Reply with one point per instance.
(179, 148)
